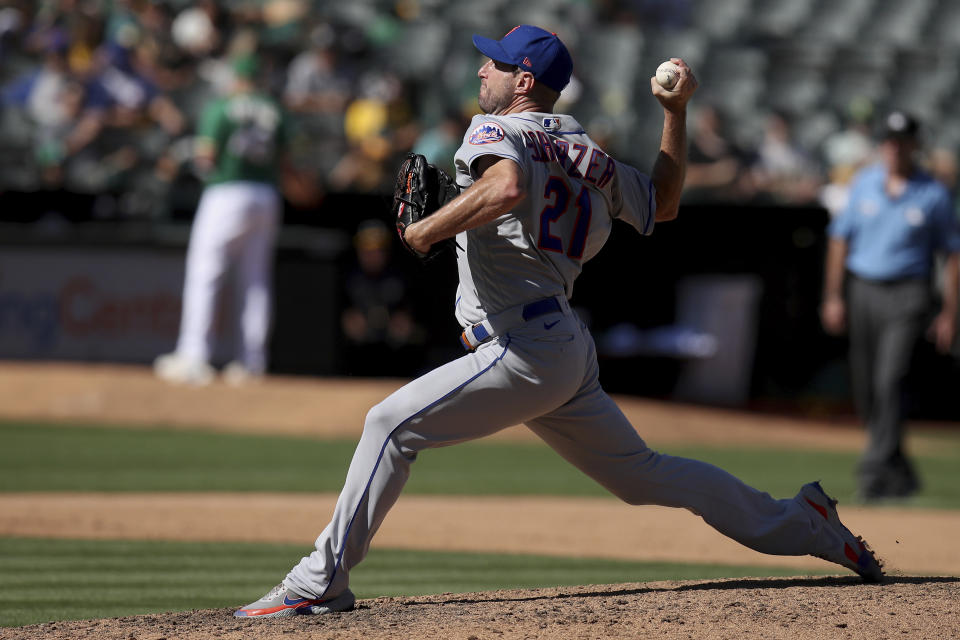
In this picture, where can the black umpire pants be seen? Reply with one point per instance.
(886, 320)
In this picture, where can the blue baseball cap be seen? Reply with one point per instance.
(532, 49)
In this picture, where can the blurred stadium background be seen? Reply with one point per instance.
(97, 188)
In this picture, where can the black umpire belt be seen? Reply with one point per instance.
(499, 323)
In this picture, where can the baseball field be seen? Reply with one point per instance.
(137, 510)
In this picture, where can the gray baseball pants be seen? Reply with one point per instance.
(886, 320)
(543, 375)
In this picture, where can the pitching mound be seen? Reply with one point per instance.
(793, 608)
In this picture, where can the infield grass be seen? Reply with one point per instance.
(44, 580)
(44, 457)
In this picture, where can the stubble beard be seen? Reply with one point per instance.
(489, 102)
(483, 101)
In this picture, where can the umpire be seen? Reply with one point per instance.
(882, 247)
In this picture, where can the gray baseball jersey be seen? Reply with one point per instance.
(533, 362)
(574, 191)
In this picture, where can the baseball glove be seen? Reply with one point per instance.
(420, 190)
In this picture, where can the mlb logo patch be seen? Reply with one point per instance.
(551, 124)
(486, 133)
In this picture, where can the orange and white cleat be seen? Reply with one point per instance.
(280, 602)
(853, 552)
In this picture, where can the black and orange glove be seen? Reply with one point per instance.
(420, 189)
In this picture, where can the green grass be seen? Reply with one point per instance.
(43, 457)
(43, 580)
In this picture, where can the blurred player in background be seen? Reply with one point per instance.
(240, 144)
(882, 248)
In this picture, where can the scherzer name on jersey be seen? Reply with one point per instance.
(574, 192)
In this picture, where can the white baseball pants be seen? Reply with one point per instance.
(234, 229)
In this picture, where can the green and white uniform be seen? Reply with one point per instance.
(235, 226)
(249, 132)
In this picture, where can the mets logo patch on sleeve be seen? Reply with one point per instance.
(486, 133)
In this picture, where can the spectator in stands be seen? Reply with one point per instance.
(42, 92)
(316, 80)
(715, 165)
(86, 34)
(194, 29)
(158, 47)
(882, 248)
(54, 100)
(379, 125)
(159, 57)
(128, 94)
(123, 105)
(440, 142)
(12, 22)
(380, 333)
(782, 171)
(942, 163)
(845, 153)
(241, 142)
(661, 15)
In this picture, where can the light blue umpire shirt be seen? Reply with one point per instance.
(895, 238)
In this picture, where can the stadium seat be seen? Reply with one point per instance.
(812, 129)
(482, 17)
(688, 44)
(897, 22)
(924, 80)
(720, 19)
(778, 18)
(796, 91)
(419, 49)
(943, 24)
(734, 78)
(611, 55)
(837, 21)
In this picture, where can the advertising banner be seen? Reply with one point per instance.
(89, 304)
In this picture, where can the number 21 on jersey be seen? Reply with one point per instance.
(557, 192)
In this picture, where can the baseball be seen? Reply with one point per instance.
(667, 75)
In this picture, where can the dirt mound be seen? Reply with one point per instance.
(789, 608)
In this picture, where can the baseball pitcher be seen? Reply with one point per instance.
(537, 198)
